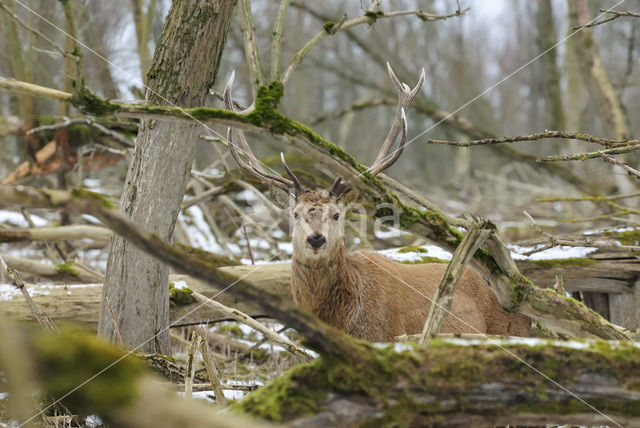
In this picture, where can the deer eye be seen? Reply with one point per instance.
(336, 216)
(296, 216)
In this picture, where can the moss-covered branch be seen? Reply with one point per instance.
(453, 385)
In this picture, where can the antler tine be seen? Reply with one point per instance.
(253, 166)
(387, 162)
(405, 95)
(338, 188)
(299, 188)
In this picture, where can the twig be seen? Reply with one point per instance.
(369, 17)
(555, 242)
(212, 370)
(276, 41)
(84, 121)
(188, 380)
(540, 136)
(40, 316)
(441, 304)
(115, 323)
(596, 198)
(246, 238)
(197, 387)
(37, 32)
(592, 155)
(30, 88)
(246, 319)
(202, 197)
(615, 15)
(622, 165)
(250, 48)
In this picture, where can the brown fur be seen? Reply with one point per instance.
(374, 298)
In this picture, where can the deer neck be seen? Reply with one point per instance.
(328, 290)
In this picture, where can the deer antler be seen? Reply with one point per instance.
(405, 94)
(253, 166)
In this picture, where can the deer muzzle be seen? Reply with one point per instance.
(316, 240)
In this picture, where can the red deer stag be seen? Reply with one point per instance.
(361, 292)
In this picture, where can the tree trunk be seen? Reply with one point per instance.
(551, 89)
(184, 67)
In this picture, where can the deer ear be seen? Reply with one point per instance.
(338, 189)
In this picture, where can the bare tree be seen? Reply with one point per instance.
(184, 67)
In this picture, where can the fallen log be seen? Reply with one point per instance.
(80, 303)
(610, 272)
(455, 383)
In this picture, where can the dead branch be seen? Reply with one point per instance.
(37, 313)
(591, 155)
(540, 136)
(58, 233)
(122, 141)
(212, 370)
(615, 14)
(188, 381)
(69, 271)
(589, 198)
(554, 241)
(441, 303)
(611, 159)
(246, 319)
(37, 32)
(369, 17)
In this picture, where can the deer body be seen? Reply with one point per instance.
(363, 293)
(374, 298)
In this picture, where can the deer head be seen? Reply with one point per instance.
(318, 230)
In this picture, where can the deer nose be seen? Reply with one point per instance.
(316, 240)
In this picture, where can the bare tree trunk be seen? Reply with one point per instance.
(184, 67)
(546, 40)
(22, 69)
(143, 21)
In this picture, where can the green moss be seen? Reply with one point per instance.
(180, 296)
(231, 327)
(297, 393)
(389, 381)
(629, 237)
(69, 358)
(328, 26)
(66, 268)
(89, 103)
(86, 194)
(424, 259)
(568, 262)
(374, 14)
(412, 249)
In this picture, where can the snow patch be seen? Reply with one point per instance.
(559, 252)
(16, 219)
(180, 284)
(414, 256)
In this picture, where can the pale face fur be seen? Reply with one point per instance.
(318, 227)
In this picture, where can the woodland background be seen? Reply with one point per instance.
(493, 69)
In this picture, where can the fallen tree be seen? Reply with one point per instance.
(459, 385)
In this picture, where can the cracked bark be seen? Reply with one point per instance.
(184, 67)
